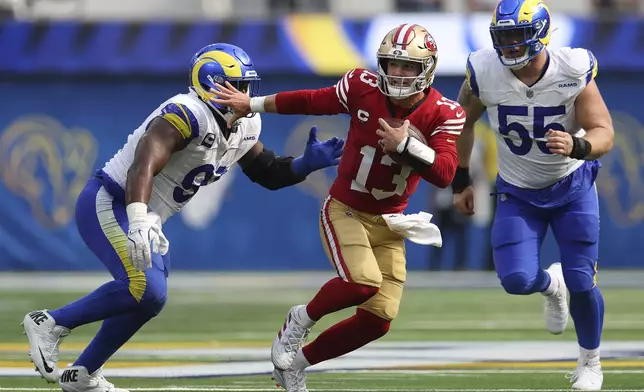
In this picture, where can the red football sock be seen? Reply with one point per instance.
(336, 294)
(346, 336)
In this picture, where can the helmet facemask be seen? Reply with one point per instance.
(404, 86)
(410, 44)
(526, 37)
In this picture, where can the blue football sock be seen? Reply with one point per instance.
(542, 282)
(111, 299)
(114, 332)
(587, 311)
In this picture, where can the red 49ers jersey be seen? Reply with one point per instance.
(368, 179)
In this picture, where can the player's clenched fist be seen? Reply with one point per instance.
(559, 142)
(464, 201)
(140, 237)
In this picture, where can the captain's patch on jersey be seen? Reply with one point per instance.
(182, 118)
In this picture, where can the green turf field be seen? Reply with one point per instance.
(233, 330)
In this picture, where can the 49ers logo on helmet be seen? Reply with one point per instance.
(430, 43)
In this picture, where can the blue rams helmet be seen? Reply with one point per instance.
(520, 30)
(220, 63)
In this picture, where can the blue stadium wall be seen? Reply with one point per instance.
(54, 133)
(70, 94)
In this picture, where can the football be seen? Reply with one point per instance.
(413, 132)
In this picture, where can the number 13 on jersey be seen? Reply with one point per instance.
(368, 157)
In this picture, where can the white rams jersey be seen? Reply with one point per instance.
(206, 157)
(522, 115)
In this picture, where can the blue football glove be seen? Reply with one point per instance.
(318, 155)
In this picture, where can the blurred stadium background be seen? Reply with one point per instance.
(77, 76)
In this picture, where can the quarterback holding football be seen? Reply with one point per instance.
(371, 189)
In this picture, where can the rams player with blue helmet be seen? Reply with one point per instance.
(551, 127)
(181, 146)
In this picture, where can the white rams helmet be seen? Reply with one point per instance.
(407, 42)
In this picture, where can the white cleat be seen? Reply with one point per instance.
(44, 342)
(76, 379)
(293, 380)
(289, 339)
(556, 304)
(587, 377)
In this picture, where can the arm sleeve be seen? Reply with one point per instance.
(325, 101)
(441, 173)
(271, 171)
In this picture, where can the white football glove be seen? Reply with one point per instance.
(140, 236)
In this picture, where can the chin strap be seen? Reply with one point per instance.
(518, 66)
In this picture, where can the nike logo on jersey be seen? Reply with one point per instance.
(459, 115)
(451, 141)
(44, 362)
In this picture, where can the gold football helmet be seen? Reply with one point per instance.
(407, 42)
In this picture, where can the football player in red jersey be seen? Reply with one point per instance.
(368, 256)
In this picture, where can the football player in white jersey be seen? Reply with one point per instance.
(551, 127)
(183, 145)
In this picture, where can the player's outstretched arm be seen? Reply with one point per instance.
(274, 172)
(593, 116)
(324, 101)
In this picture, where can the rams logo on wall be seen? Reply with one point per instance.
(620, 182)
(47, 165)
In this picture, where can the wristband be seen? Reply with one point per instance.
(403, 145)
(257, 104)
(581, 148)
(461, 179)
(420, 151)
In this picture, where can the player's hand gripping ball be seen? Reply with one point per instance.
(412, 131)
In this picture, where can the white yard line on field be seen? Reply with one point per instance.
(226, 389)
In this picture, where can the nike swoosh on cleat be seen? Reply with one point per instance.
(45, 364)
